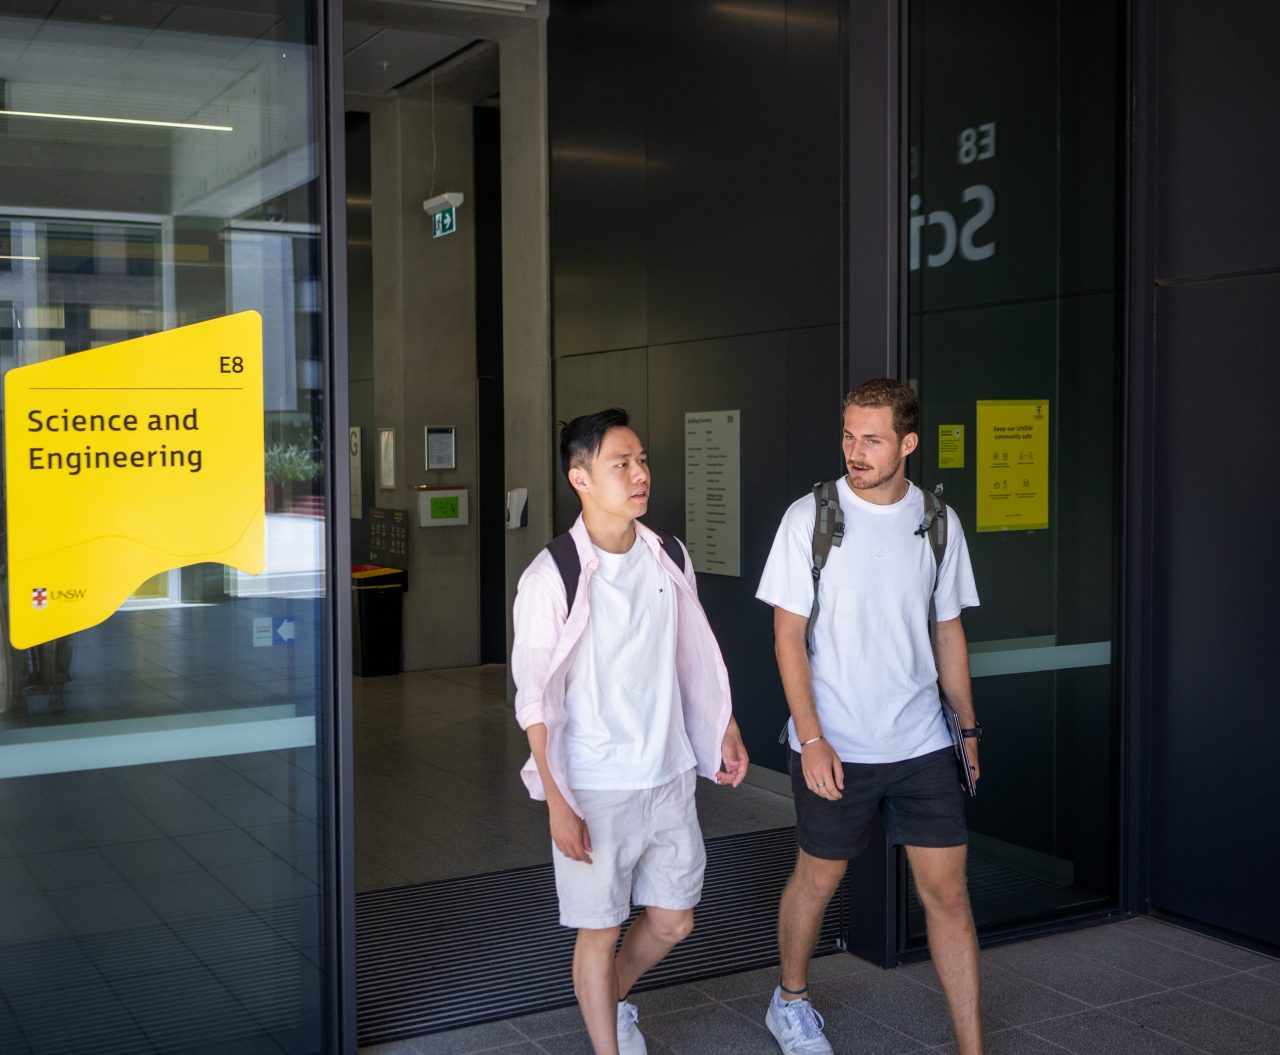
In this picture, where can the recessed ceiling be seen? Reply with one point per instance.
(377, 60)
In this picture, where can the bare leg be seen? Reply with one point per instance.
(800, 915)
(655, 932)
(595, 982)
(953, 941)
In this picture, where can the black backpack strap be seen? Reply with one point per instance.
(672, 545)
(564, 551)
(828, 531)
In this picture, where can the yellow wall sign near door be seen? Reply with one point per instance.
(129, 460)
(1013, 464)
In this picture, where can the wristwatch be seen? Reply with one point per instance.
(972, 734)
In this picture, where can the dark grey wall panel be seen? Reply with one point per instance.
(596, 97)
(747, 374)
(717, 140)
(810, 176)
(587, 383)
(814, 414)
(696, 170)
(1216, 725)
(1219, 137)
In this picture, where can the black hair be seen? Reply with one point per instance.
(580, 439)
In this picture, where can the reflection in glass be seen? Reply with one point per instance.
(1011, 223)
(160, 807)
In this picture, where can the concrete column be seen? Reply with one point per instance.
(526, 297)
(424, 362)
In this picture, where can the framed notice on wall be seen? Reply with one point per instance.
(441, 443)
(713, 490)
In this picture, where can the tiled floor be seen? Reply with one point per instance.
(438, 755)
(1138, 987)
(157, 906)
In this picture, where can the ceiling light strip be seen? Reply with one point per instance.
(5, 257)
(116, 120)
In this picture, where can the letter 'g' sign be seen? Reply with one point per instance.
(127, 461)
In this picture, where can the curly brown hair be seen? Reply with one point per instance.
(885, 392)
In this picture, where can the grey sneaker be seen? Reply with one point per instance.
(796, 1026)
(630, 1039)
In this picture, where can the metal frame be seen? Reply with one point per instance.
(339, 765)
(1138, 461)
(875, 328)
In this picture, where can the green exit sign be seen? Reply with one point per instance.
(444, 222)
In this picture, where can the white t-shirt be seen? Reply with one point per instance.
(626, 724)
(874, 676)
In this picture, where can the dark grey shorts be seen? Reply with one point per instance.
(921, 798)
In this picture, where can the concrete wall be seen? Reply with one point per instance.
(526, 292)
(424, 362)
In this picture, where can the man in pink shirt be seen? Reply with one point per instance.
(623, 693)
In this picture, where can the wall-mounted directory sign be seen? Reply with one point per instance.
(389, 537)
(129, 460)
(1013, 464)
(713, 490)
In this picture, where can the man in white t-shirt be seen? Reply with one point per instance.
(867, 732)
(624, 695)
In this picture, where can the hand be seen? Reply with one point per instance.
(734, 755)
(823, 773)
(971, 749)
(569, 832)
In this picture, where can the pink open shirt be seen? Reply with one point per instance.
(543, 650)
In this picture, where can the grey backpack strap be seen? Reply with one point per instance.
(933, 529)
(828, 531)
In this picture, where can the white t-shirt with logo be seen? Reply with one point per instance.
(626, 723)
(873, 669)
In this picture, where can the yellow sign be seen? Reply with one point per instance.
(1013, 464)
(950, 446)
(130, 460)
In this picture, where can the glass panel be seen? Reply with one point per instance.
(160, 773)
(1012, 220)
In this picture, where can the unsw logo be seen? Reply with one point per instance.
(40, 596)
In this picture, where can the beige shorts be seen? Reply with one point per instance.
(646, 847)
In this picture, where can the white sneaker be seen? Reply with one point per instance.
(796, 1026)
(630, 1039)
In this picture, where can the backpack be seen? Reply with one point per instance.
(828, 531)
(564, 551)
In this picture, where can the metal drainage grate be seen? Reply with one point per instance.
(496, 938)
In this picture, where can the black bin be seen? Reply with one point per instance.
(378, 596)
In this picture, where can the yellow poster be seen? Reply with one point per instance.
(1013, 464)
(129, 460)
(950, 446)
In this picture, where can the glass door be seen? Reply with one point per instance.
(1012, 251)
(162, 799)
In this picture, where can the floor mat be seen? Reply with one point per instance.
(458, 952)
